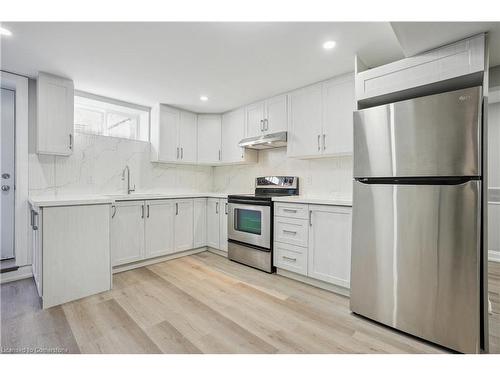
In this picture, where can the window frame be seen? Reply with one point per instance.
(105, 112)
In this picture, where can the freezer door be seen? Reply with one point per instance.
(415, 260)
(437, 135)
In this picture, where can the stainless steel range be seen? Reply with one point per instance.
(250, 221)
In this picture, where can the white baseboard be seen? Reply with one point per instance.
(494, 256)
(222, 253)
(23, 272)
(317, 283)
(164, 258)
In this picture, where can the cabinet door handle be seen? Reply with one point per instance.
(319, 147)
(182, 152)
(114, 211)
(266, 124)
(176, 208)
(35, 220)
(177, 157)
(148, 211)
(225, 208)
(71, 141)
(324, 142)
(290, 259)
(216, 207)
(289, 231)
(310, 218)
(31, 218)
(290, 210)
(142, 212)
(220, 155)
(261, 125)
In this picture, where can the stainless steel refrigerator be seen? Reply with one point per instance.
(417, 218)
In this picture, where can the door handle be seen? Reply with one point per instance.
(176, 208)
(310, 218)
(35, 220)
(182, 152)
(319, 147)
(142, 212)
(114, 212)
(266, 124)
(148, 212)
(31, 218)
(289, 231)
(216, 207)
(177, 157)
(290, 259)
(5, 187)
(71, 141)
(225, 208)
(261, 125)
(324, 142)
(290, 210)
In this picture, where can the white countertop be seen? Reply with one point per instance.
(74, 200)
(314, 200)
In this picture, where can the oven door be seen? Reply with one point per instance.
(250, 224)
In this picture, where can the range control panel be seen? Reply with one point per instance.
(284, 182)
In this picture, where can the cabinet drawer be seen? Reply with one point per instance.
(297, 211)
(291, 231)
(290, 258)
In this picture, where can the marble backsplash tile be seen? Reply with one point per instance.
(96, 166)
(329, 177)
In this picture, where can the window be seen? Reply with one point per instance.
(108, 117)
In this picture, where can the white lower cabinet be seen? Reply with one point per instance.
(183, 219)
(217, 223)
(159, 224)
(223, 224)
(200, 222)
(71, 252)
(127, 232)
(329, 256)
(317, 245)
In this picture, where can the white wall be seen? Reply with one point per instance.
(330, 177)
(96, 167)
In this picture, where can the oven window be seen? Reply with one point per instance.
(249, 221)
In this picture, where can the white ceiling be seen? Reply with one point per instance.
(416, 37)
(232, 63)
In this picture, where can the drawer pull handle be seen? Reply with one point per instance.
(289, 231)
(290, 259)
(290, 210)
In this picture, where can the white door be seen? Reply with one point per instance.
(184, 220)
(55, 111)
(276, 114)
(188, 137)
(159, 235)
(338, 108)
(254, 118)
(223, 211)
(330, 244)
(127, 232)
(168, 143)
(7, 169)
(233, 131)
(209, 138)
(305, 126)
(200, 222)
(213, 222)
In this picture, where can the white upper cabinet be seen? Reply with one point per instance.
(188, 137)
(320, 119)
(305, 125)
(459, 59)
(276, 114)
(55, 111)
(267, 116)
(233, 131)
(254, 118)
(173, 135)
(209, 139)
(338, 106)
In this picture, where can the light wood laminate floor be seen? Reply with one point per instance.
(205, 304)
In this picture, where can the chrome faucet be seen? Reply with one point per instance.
(127, 169)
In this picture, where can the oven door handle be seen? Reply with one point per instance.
(251, 202)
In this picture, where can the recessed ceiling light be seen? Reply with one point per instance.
(203, 98)
(4, 31)
(329, 44)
